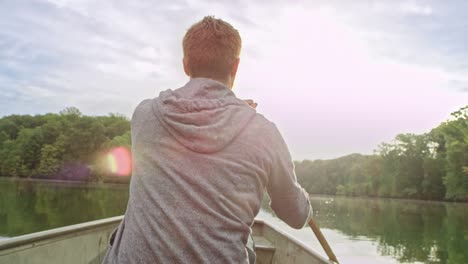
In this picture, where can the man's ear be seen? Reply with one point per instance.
(184, 62)
(235, 66)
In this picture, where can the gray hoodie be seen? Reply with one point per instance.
(202, 159)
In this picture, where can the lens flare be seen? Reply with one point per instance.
(119, 161)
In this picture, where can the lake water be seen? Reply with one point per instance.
(359, 230)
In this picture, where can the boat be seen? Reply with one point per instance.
(88, 242)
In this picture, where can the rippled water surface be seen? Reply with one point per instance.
(359, 230)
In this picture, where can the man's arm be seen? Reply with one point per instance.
(289, 200)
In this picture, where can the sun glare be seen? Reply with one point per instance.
(119, 161)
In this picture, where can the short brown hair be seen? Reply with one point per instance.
(211, 46)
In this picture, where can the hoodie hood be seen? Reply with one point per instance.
(204, 115)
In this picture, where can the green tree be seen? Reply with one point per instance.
(50, 161)
(120, 141)
(8, 127)
(71, 111)
(10, 160)
(3, 137)
(51, 144)
(455, 153)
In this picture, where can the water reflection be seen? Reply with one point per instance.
(359, 230)
(27, 207)
(408, 231)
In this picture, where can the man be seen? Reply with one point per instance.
(202, 159)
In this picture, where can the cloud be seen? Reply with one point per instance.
(35, 92)
(328, 86)
(402, 7)
(460, 85)
(336, 76)
(415, 9)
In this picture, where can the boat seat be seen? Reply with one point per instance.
(264, 250)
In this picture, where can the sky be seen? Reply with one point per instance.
(337, 77)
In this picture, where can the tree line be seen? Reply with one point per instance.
(70, 146)
(431, 166)
(64, 146)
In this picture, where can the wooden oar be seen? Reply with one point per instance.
(322, 241)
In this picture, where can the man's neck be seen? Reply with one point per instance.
(228, 83)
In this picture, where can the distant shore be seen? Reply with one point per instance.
(120, 185)
(65, 182)
(387, 198)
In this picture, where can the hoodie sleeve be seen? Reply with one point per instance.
(289, 200)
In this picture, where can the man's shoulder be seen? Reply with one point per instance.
(144, 107)
(264, 128)
(146, 103)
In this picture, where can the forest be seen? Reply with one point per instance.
(431, 166)
(71, 146)
(64, 146)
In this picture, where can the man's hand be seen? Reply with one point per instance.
(251, 103)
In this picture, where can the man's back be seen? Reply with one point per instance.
(202, 160)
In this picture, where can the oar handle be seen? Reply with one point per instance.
(323, 241)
